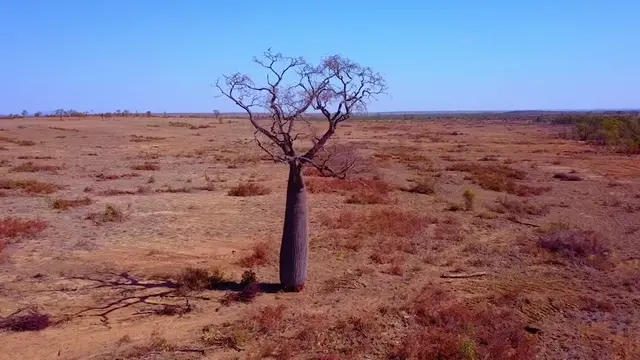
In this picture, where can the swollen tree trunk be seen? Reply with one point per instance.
(294, 250)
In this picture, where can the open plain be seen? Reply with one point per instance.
(128, 238)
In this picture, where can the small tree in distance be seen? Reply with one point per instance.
(279, 110)
(25, 113)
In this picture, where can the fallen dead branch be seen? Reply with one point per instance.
(463, 276)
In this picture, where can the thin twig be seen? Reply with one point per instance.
(463, 276)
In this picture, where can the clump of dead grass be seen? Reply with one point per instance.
(567, 177)
(261, 254)
(246, 295)
(29, 186)
(441, 329)
(33, 320)
(517, 207)
(66, 204)
(33, 167)
(425, 186)
(367, 197)
(149, 166)
(498, 177)
(188, 125)
(141, 190)
(111, 213)
(103, 177)
(347, 186)
(577, 246)
(11, 227)
(244, 189)
(35, 157)
(469, 197)
(140, 138)
(199, 279)
(16, 141)
(389, 222)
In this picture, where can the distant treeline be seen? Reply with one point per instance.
(619, 131)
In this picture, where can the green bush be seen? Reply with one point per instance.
(620, 132)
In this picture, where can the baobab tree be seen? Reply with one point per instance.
(279, 109)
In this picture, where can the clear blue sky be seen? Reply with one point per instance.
(163, 55)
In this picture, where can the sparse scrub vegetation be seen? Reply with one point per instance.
(29, 186)
(578, 246)
(11, 227)
(457, 331)
(244, 189)
(389, 222)
(347, 186)
(187, 125)
(261, 255)
(498, 177)
(149, 166)
(199, 279)
(111, 213)
(378, 237)
(31, 320)
(105, 177)
(567, 177)
(517, 207)
(469, 199)
(425, 186)
(140, 138)
(66, 204)
(619, 132)
(32, 167)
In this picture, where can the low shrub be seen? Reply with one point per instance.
(65, 204)
(567, 177)
(32, 167)
(578, 246)
(261, 255)
(33, 321)
(11, 227)
(248, 189)
(29, 186)
(146, 166)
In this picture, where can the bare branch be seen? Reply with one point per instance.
(336, 88)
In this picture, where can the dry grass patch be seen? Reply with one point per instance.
(261, 255)
(188, 125)
(140, 138)
(367, 197)
(141, 190)
(346, 186)
(7, 139)
(498, 177)
(199, 279)
(111, 213)
(32, 167)
(386, 222)
(244, 189)
(11, 227)
(35, 157)
(577, 246)
(440, 329)
(425, 186)
(171, 190)
(514, 206)
(567, 177)
(66, 204)
(29, 186)
(63, 129)
(32, 320)
(146, 166)
(105, 177)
